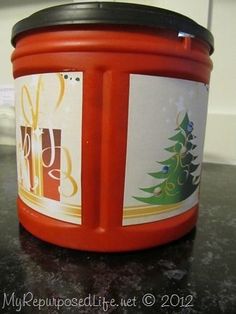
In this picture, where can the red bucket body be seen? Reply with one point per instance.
(107, 55)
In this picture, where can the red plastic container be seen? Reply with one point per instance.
(112, 51)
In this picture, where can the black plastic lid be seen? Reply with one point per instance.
(112, 13)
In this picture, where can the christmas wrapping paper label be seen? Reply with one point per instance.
(166, 129)
(48, 134)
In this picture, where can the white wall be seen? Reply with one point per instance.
(220, 144)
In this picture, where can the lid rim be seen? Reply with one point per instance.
(111, 13)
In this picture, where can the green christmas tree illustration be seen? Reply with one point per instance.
(176, 179)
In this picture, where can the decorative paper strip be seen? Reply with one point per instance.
(166, 128)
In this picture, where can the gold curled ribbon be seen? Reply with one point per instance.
(33, 120)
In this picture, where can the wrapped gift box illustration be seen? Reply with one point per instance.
(48, 166)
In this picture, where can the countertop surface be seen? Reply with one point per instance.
(196, 274)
